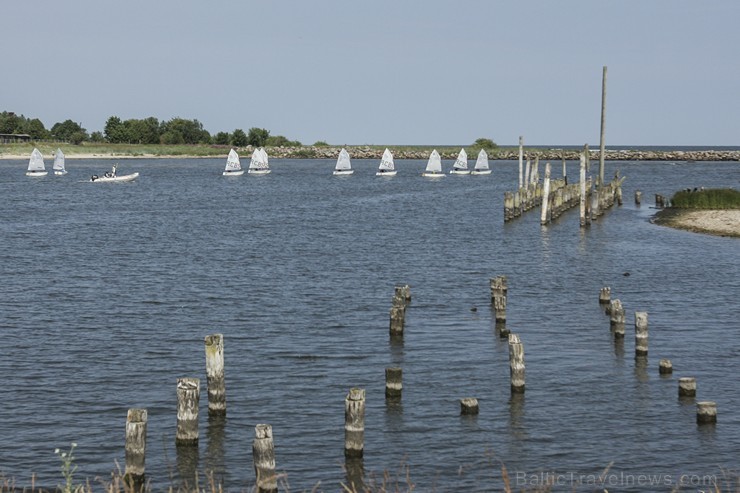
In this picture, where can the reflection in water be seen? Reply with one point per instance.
(396, 346)
(516, 416)
(619, 348)
(355, 472)
(641, 364)
(214, 458)
(187, 466)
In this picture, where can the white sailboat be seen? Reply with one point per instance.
(343, 166)
(461, 164)
(259, 165)
(36, 164)
(387, 167)
(434, 166)
(233, 166)
(481, 164)
(58, 167)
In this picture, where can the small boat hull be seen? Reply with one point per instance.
(259, 171)
(343, 172)
(60, 172)
(460, 172)
(37, 173)
(386, 173)
(481, 172)
(115, 179)
(234, 173)
(433, 175)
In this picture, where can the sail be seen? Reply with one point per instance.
(265, 159)
(434, 165)
(59, 160)
(386, 163)
(462, 160)
(232, 162)
(259, 159)
(36, 163)
(343, 162)
(482, 162)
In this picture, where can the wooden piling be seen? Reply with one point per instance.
(544, 218)
(641, 333)
(521, 159)
(603, 124)
(665, 367)
(188, 399)
(403, 293)
(565, 171)
(616, 318)
(605, 295)
(499, 305)
(393, 383)
(687, 387)
(398, 320)
(706, 412)
(583, 190)
(136, 420)
(638, 197)
(516, 363)
(469, 406)
(354, 423)
(215, 374)
(263, 455)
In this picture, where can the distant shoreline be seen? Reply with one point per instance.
(129, 151)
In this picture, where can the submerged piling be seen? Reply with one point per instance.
(516, 364)
(706, 412)
(136, 420)
(354, 423)
(469, 406)
(638, 197)
(393, 383)
(665, 367)
(687, 387)
(263, 455)
(215, 374)
(188, 398)
(605, 295)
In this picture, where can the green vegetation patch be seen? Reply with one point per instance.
(716, 198)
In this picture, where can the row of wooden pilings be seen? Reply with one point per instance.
(706, 411)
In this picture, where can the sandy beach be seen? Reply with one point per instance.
(716, 222)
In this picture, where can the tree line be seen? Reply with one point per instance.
(140, 131)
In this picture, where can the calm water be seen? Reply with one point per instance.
(108, 291)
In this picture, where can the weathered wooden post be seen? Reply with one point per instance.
(188, 398)
(518, 203)
(641, 333)
(583, 190)
(545, 196)
(521, 158)
(526, 200)
(665, 367)
(398, 316)
(263, 455)
(135, 447)
(616, 320)
(403, 293)
(687, 387)
(215, 374)
(516, 363)
(508, 206)
(498, 287)
(605, 295)
(638, 197)
(499, 305)
(565, 171)
(469, 406)
(706, 412)
(603, 124)
(393, 383)
(354, 423)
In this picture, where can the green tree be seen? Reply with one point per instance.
(69, 131)
(115, 131)
(221, 138)
(97, 137)
(280, 141)
(172, 137)
(191, 131)
(484, 143)
(258, 136)
(35, 128)
(320, 143)
(10, 123)
(239, 138)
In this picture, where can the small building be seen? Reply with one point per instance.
(14, 138)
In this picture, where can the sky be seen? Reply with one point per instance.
(393, 72)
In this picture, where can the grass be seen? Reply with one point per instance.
(718, 198)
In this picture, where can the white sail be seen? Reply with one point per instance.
(482, 162)
(343, 162)
(265, 159)
(59, 163)
(386, 163)
(36, 163)
(232, 162)
(434, 165)
(462, 160)
(259, 160)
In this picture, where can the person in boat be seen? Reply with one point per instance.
(113, 171)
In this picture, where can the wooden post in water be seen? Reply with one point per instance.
(638, 197)
(603, 124)
(525, 188)
(687, 387)
(354, 423)
(516, 364)
(521, 158)
(565, 171)
(135, 447)
(469, 406)
(188, 398)
(545, 196)
(499, 305)
(263, 455)
(583, 191)
(215, 374)
(605, 295)
(641, 333)
(616, 321)
(403, 293)
(393, 383)
(706, 412)
(665, 367)
(398, 316)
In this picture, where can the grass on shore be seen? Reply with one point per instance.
(717, 198)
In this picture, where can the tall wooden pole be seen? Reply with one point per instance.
(603, 122)
(521, 160)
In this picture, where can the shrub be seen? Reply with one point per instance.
(717, 198)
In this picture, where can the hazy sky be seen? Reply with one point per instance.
(384, 72)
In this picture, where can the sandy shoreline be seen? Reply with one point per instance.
(715, 222)
(73, 155)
